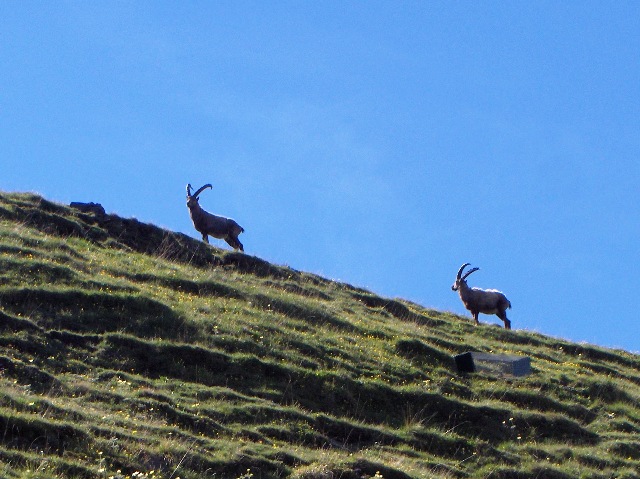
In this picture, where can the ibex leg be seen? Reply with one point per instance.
(503, 317)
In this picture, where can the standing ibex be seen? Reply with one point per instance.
(208, 224)
(485, 301)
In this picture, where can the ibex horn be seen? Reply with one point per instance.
(461, 268)
(202, 188)
(472, 270)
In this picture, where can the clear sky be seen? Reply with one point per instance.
(379, 143)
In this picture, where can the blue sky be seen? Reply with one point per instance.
(378, 143)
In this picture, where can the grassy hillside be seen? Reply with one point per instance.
(127, 351)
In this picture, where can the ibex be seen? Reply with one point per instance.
(485, 301)
(212, 225)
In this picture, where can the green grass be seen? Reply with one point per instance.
(128, 351)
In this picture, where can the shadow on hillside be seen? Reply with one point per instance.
(113, 231)
(335, 394)
(396, 309)
(95, 312)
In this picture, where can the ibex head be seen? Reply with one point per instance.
(462, 279)
(192, 199)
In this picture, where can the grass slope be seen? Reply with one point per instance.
(127, 351)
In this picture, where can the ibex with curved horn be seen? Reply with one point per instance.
(485, 301)
(212, 225)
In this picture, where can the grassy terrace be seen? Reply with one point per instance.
(128, 351)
